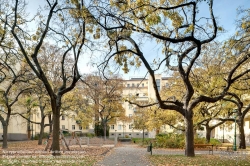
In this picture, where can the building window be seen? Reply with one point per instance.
(112, 126)
(167, 85)
(130, 126)
(138, 85)
(130, 106)
(133, 85)
(80, 127)
(158, 84)
(130, 115)
(142, 85)
(128, 85)
(119, 127)
(134, 110)
(73, 127)
(63, 117)
(63, 126)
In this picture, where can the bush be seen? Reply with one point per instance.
(215, 142)
(198, 140)
(45, 135)
(91, 135)
(170, 140)
(140, 141)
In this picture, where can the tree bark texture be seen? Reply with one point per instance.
(242, 140)
(208, 134)
(40, 140)
(189, 133)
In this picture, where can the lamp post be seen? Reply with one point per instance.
(234, 146)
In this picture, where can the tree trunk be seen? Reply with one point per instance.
(5, 136)
(208, 133)
(242, 140)
(50, 122)
(55, 131)
(5, 124)
(40, 140)
(189, 134)
(104, 130)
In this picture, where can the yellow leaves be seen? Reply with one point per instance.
(137, 62)
(153, 19)
(125, 67)
(220, 29)
(97, 34)
(176, 2)
(75, 2)
(34, 37)
(189, 29)
(2, 31)
(245, 24)
(123, 47)
(175, 17)
(162, 2)
(126, 33)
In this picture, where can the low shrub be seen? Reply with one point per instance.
(45, 135)
(91, 135)
(170, 140)
(215, 142)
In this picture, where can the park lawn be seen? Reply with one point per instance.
(198, 160)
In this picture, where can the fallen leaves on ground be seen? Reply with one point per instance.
(30, 153)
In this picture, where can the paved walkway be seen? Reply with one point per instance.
(133, 155)
(126, 155)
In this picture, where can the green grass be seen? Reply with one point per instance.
(198, 160)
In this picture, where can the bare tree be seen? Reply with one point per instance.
(54, 24)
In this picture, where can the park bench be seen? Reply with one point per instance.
(208, 147)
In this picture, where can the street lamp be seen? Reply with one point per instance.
(234, 146)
